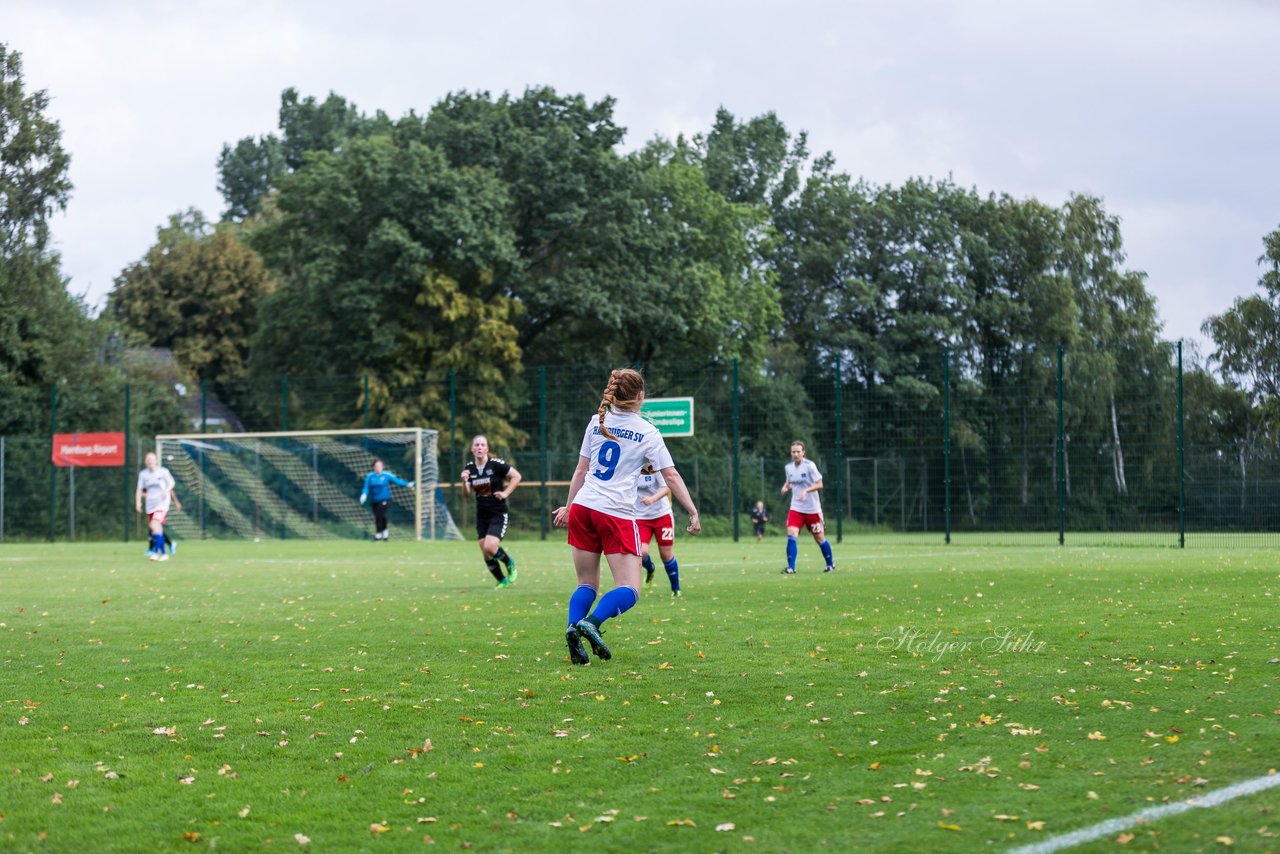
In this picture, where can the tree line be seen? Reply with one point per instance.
(490, 233)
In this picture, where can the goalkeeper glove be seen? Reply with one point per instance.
(364, 498)
(412, 484)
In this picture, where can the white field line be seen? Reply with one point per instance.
(854, 559)
(1116, 825)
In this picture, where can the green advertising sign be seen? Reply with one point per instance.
(673, 416)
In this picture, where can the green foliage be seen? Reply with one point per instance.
(33, 163)
(1247, 335)
(386, 255)
(247, 173)
(196, 292)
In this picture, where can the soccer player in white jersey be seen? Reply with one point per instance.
(654, 519)
(155, 484)
(601, 510)
(803, 482)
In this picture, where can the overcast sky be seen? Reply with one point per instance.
(1165, 109)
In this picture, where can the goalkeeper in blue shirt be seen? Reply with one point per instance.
(377, 490)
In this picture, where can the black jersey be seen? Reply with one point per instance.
(486, 481)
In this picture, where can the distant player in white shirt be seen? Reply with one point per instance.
(654, 519)
(155, 484)
(803, 482)
(601, 511)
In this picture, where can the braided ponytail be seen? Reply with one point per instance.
(625, 385)
(606, 403)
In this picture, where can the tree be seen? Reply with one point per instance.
(754, 162)
(1247, 336)
(1123, 362)
(251, 168)
(44, 332)
(196, 291)
(33, 164)
(386, 259)
(246, 174)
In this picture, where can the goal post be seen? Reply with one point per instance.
(303, 484)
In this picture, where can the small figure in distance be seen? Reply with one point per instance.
(155, 484)
(803, 482)
(759, 518)
(491, 480)
(377, 491)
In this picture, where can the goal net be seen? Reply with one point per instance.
(303, 484)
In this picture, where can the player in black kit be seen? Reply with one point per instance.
(492, 481)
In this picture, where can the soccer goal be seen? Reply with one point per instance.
(303, 484)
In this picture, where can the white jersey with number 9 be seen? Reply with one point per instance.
(614, 464)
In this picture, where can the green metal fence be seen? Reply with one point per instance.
(1057, 447)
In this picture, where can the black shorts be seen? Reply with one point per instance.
(759, 526)
(491, 523)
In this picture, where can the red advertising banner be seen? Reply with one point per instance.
(88, 449)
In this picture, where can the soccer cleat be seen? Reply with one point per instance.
(149, 553)
(648, 575)
(829, 569)
(173, 547)
(153, 555)
(588, 630)
(577, 654)
(675, 594)
(162, 556)
(503, 584)
(511, 575)
(788, 570)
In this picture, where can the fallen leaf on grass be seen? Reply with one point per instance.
(301, 840)
(191, 836)
(728, 825)
(1097, 736)
(682, 822)
(945, 826)
(378, 828)
(1125, 838)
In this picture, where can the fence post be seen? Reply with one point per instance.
(128, 484)
(542, 448)
(1182, 472)
(366, 401)
(204, 428)
(839, 450)
(53, 470)
(737, 440)
(1062, 461)
(946, 445)
(453, 438)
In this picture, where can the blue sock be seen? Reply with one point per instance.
(826, 552)
(580, 602)
(647, 563)
(673, 572)
(157, 543)
(617, 601)
(791, 551)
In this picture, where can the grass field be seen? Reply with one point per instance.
(361, 697)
